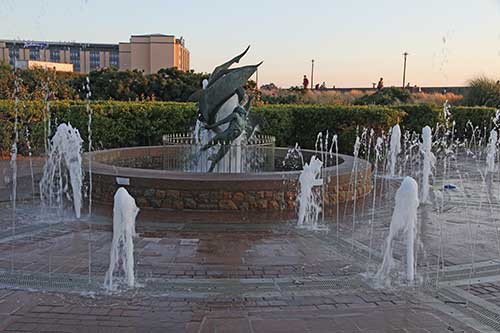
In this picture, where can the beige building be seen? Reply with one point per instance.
(151, 53)
(147, 53)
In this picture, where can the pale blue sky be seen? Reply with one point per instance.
(353, 42)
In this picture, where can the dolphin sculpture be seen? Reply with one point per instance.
(217, 73)
(220, 70)
(223, 83)
(228, 84)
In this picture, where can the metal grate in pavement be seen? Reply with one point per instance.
(482, 314)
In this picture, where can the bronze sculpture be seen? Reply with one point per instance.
(223, 84)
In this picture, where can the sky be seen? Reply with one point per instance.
(353, 42)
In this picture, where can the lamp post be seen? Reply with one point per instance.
(312, 74)
(404, 68)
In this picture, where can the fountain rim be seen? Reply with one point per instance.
(345, 165)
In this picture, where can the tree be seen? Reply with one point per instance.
(483, 92)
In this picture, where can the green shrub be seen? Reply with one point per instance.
(114, 124)
(418, 116)
(386, 96)
(483, 92)
(477, 116)
(119, 124)
(289, 98)
(301, 123)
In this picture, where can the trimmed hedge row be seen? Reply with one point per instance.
(301, 123)
(480, 116)
(121, 124)
(420, 115)
(114, 124)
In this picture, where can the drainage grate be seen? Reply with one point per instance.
(47, 281)
(330, 284)
(478, 312)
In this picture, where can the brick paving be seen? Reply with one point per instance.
(246, 278)
(24, 311)
(487, 291)
(269, 279)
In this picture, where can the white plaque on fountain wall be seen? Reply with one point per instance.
(122, 181)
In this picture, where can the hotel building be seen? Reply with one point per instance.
(147, 53)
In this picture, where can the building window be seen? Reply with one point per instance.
(114, 59)
(55, 55)
(95, 60)
(74, 58)
(34, 54)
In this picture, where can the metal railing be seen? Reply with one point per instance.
(188, 139)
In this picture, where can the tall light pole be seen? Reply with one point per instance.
(312, 74)
(404, 68)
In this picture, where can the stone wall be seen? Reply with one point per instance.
(274, 192)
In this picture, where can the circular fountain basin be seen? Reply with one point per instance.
(163, 192)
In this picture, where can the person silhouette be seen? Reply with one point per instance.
(380, 84)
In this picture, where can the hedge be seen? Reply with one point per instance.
(419, 115)
(477, 115)
(114, 124)
(304, 122)
(121, 124)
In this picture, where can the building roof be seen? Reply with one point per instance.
(153, 35)
(60, 43)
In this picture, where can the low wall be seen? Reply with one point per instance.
(272, 194)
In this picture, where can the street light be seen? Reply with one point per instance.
(404, 68)
(312, 73)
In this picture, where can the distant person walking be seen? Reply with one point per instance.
(380, 84)
(305, 82)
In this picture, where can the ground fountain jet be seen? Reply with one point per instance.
(122, 247)
(63, 169)
(309, 200)
(404, 221)
(395, 149)
(491, 153)
(428, 163)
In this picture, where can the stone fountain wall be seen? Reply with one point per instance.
(243, 196)
(274, 192)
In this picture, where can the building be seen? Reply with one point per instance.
(148, 53)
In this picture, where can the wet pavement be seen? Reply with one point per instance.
(264, 277)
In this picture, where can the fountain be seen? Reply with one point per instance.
(428, 163)
(309, 200)
(404, 221)
(395, 149)
(64, 162)
(491, 151)
(223, 168)
(122, 247)
(204, 197)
